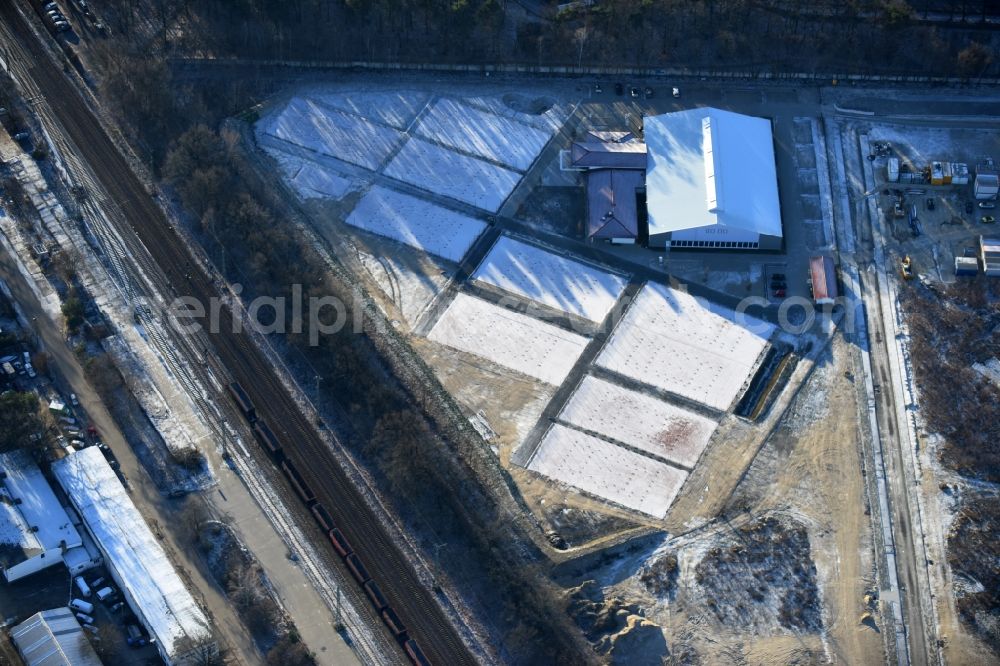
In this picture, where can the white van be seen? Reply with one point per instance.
(81, 585)
(84, 618)
(81, 606)
(104, 593)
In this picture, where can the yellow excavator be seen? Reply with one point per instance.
(906, 268)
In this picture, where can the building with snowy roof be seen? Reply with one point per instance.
(35, 530)
(53, 638)
(134, 557)
(613, 197)
(615, 164)
(989, 255)
(606, 150)
(711, 181)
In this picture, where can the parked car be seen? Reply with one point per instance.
(930, 203)
(648, 92)
(81, 606)
(634, 92)
(779, 293)
(779, 285)
(968, 207)
(988, 219)
(777, 276)
(134, 636)
(73, 400)
(987, 204)
(597, 88)
(676, 92)
(619, 89)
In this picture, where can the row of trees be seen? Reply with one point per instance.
(859, 36)
(433, 493)
(947, 337)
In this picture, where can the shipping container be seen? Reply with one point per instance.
(959, 173)
(966, 266)
(987, 186)
(892, 169)
(937, 173)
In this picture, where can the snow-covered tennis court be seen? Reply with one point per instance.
(550, 279)
(640, 420)
(675, 342)
(308, 179)
(416, 222)
(445, 172)
(312, 180)
(607, 470)
(479, 132)
(509, 339)
(397, 109)
(346, 137)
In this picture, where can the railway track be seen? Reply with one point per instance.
(152, 243)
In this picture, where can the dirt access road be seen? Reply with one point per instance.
(820, 478)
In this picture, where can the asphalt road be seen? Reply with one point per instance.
(142, 219)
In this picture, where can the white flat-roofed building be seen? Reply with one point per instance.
(711, 181)
(53, 638)
(35, 530)
(134, 557)
(989, 255)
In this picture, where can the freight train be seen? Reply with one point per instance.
(323, 518)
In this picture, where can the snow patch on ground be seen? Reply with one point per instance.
(608, 471)
(481, 133)
(346, 137)
(549, 279)
(441, 171)
(990, 370)
(510, 339)
(397, 109)
(921, 143)
(416, 223)
(639, 420)
(685, 345)
(310, 180)
(176, 436)
(551, 120)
